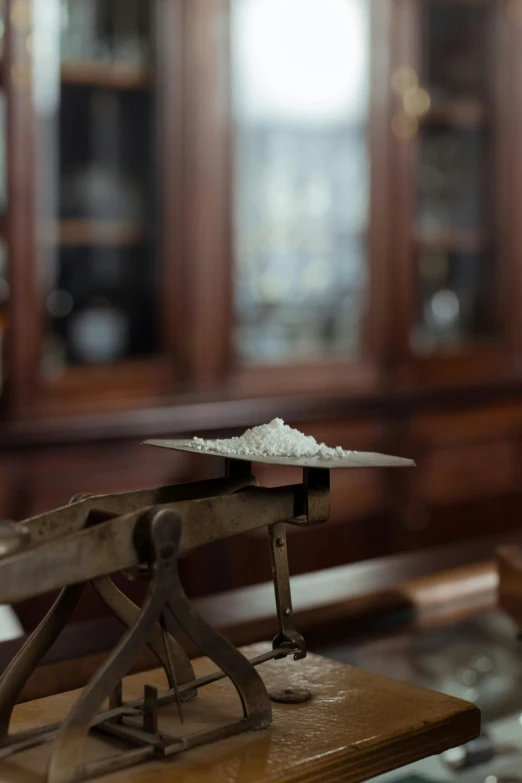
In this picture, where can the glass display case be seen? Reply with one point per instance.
(301, 177)
(256, 196)
(452, 110)
(95, 182)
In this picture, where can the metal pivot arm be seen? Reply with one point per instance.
(68, 519)
(109, 546)
(167, 650)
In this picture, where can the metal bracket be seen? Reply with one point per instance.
(316, 484)
(238, 469)
(287, 637)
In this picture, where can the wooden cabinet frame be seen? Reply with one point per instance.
(493, 358)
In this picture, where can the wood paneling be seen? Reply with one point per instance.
(419, 525)
(469, 472)
(52, 477)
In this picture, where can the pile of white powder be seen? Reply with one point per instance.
(276, 439)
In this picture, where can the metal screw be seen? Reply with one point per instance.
(288, 612)
(290, 695)
(280, 542)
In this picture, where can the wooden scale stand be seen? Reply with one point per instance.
(266, 713)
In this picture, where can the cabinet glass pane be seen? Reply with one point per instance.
(455, 288)
(95, 108)
(453, 299)
(452, 179)
(456, 48)
(301, 81)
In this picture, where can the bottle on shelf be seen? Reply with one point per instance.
(103, 190)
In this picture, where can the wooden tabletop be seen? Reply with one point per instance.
(357, 725)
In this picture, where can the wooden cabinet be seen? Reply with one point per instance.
(193, 223)
(210, 210)
(208, 226)
(454, 172)
(93, 160)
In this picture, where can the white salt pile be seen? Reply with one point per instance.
(276, 439)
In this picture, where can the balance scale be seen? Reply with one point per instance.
(267, 713)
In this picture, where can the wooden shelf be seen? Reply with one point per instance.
(461, 113)
(453, 240)
(94, 232)
(120, 76)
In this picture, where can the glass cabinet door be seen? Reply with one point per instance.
(448, 104)
(94, 104)
(301, 83)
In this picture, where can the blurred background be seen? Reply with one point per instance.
(216, 212)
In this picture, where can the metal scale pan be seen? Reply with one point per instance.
(357, 459)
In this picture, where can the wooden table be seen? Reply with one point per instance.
(357, 725)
